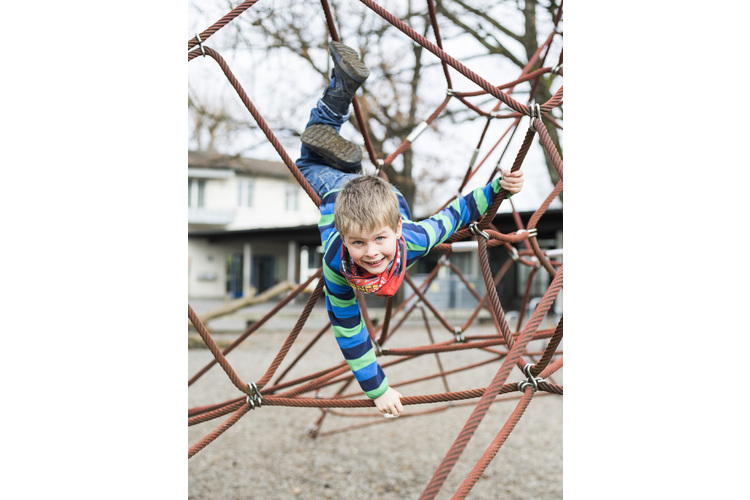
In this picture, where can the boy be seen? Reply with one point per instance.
(368, 237)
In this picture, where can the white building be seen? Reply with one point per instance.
(247, 223)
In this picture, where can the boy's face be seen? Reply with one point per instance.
(373, 250)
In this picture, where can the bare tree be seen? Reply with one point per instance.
(405, 78)
(479, 20)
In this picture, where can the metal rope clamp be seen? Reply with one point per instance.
(514, 253)
(459, 334)
(380, 165)
(254, 398)
(478, 232)
(200, 44)
(531, 380)
(535, 111)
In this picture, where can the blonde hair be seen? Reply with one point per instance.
(366, 203)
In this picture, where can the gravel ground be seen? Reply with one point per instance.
(269, 454)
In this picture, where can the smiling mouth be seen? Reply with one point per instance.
(375, 263)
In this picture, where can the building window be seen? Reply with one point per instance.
(464, 261)
(245, 193)
(292, 201)
(196, 192)
(542, 279)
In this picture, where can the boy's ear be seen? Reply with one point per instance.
(398, 229)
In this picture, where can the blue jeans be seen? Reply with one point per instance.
(321, 177)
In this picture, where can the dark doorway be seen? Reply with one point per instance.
(262, 276)
(234, 275)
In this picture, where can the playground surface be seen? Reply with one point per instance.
(269, 453)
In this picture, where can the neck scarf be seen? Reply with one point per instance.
(384, 284)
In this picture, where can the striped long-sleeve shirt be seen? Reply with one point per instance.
(341, 302)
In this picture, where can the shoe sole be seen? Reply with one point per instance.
(348, 59)
(339, 153)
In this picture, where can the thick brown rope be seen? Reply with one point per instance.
(218, 355)
(219, 430)
(280, 305)
(260, 121)
(292, 336)
(494, 447)
(443, 56)
(204, 35)
(483, 405)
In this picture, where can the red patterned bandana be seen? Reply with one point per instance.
(384, 284)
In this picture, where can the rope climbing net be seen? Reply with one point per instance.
(507, 346)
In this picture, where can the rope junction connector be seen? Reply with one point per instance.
(532, 232)
(450, 92)
(514, 254)
(458, 333)
(531, 380)
(254, 399)
(378, 348)
(535, 111)
(381, 164)
(556, 69)
(200, 44)
(478, 232)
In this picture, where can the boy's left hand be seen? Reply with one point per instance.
(390, 403)
(512, 181)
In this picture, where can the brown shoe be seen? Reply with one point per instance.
(338, 152)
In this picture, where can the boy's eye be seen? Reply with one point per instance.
(380, 238)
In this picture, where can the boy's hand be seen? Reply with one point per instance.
(390, 403)
(512, 181)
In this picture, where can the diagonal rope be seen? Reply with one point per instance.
(480, 410)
